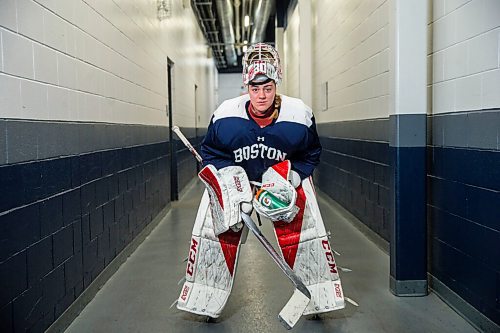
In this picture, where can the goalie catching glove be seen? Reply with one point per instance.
(230, 192)
(276, 197)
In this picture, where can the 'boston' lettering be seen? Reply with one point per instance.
(258, 150)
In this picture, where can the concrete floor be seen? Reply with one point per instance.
(138, 296)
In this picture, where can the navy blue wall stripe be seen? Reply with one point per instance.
(464, 217)
(62, 220)
(356, 174)
(29, 140)
(463, 190)
(476, 167)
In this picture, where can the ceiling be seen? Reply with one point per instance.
(223, 25)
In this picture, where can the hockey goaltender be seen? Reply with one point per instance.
(259, 152)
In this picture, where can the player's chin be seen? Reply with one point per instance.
(262, 107)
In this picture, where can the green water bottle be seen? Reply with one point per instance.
(268, 200)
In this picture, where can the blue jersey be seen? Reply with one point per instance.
(234, 138)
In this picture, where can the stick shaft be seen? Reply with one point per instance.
(186, 142)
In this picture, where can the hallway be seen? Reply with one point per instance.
(403, 97)
(138, 296)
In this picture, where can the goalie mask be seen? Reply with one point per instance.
(261, 63)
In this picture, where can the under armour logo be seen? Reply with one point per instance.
(260, 138)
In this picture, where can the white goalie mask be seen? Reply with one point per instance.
(260, 63)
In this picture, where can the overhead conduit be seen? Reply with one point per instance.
(219, 29)
(262, 11)
(226, 17)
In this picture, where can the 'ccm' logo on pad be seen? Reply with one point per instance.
(192, 257)
(329, 256)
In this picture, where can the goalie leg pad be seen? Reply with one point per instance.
(305, 247)
(211, 266)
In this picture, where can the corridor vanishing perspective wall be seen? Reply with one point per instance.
(85, 162)
(67, 217)
(354, 125)
(463, 152)
(351, 59)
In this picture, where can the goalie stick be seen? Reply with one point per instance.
(294, 308)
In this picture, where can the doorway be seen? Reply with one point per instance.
(174, 184)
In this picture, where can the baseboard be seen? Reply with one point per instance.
(464, 309)
(408, 288)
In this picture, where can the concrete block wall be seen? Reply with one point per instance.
(463, 181)
(66, 217)
(352, 53)
(463, 57)
(84, 151)
(351, 43)
(69, 67)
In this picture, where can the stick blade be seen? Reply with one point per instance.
(293, 309)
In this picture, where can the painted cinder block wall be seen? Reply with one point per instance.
(351, 43)
(84, 151)
(463, 153)
(352, 56)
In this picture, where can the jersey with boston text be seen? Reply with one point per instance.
(233, 138)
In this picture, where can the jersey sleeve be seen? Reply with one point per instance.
(213, 151)
(308, 158)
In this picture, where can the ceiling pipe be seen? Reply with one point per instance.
(237, 23)
(226, 16)
(248, 11)
(261, 12)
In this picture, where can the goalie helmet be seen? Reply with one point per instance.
(261, 62)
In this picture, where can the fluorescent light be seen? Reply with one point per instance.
(246, 21)
(244, 48)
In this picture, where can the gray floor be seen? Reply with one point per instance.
(137, 298)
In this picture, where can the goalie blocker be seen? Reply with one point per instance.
(303, 242)
(229, 190)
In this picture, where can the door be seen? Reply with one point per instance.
(174, 184)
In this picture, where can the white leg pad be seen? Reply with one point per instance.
(211, 266)
(306, 248)
(316, 267)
